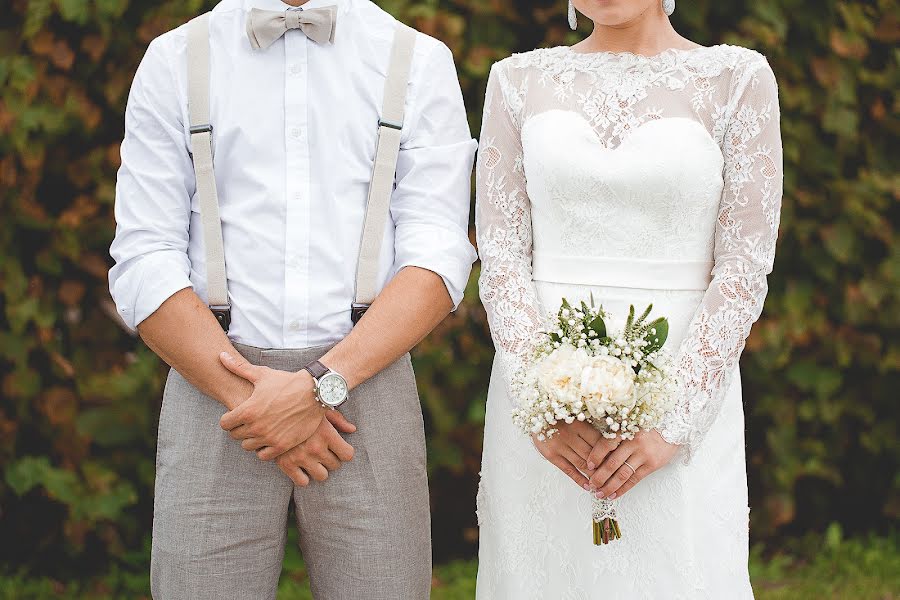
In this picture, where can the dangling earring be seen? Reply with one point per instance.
(573, 18)
(668, 7)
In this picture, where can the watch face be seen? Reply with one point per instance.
(332, 389)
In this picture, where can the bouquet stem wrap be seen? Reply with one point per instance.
(605, 523)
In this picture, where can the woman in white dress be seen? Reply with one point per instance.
(635, 167)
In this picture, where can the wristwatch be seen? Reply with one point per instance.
(331, 388)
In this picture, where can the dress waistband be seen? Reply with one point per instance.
(622, 272)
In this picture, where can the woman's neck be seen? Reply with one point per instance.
(648, 34)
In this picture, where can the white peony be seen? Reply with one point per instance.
(606, 383)
(558, 374)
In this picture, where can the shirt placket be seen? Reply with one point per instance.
(297, 205)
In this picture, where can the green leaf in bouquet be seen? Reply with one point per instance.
(629, 323)
(598, 326)
(656, 340)
(640, 320)
(562, 321)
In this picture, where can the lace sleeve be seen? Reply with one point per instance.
(503, 224)
(746, 232)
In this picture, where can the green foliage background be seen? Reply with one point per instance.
(80, 397)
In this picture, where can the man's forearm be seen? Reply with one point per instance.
(407, 309)
(185, 334)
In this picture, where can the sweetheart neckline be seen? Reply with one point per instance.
(597, 139)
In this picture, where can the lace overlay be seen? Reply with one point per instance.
(592, 158)
(505, 241)
(731, 93)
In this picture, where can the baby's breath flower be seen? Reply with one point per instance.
(551, 389)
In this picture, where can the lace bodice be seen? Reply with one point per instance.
(672, 157)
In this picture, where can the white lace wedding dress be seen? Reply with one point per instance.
(636, 180)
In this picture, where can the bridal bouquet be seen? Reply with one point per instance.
(621, 383)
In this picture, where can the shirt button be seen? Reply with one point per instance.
(296, 69)
(294, 325)
(296, 132)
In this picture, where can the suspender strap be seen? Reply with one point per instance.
(201, 149)
(381, 186)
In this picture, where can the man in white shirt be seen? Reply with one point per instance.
(294, 126)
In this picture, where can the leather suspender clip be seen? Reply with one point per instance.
(206, 127)
(357, 311)
(222, 315)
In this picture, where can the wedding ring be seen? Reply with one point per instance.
(633, 470)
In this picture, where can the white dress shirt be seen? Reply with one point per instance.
(294, 130)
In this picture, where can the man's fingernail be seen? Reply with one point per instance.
(586, 487)
(225, 355)
(612, 496)
(591, 465)
(599, 495)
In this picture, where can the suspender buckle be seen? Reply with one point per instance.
(222, 313)
(205, 128)
(391, 124)
(357, 311)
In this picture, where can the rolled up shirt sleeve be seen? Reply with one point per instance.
(430, 205)
(153, 193)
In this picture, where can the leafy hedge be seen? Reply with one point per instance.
(80, 397)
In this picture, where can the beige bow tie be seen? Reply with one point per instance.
(266, 26)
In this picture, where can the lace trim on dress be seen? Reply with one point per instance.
(733, 93)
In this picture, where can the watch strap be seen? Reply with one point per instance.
(316, 369)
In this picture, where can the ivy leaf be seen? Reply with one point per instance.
(76, 11)
(27, 473)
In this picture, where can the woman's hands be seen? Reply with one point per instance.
(569, 449)
(647, 452)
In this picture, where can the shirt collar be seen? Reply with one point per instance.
(343, 5)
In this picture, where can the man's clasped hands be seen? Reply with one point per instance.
(283, 421)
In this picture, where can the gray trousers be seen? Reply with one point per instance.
(220, 513)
